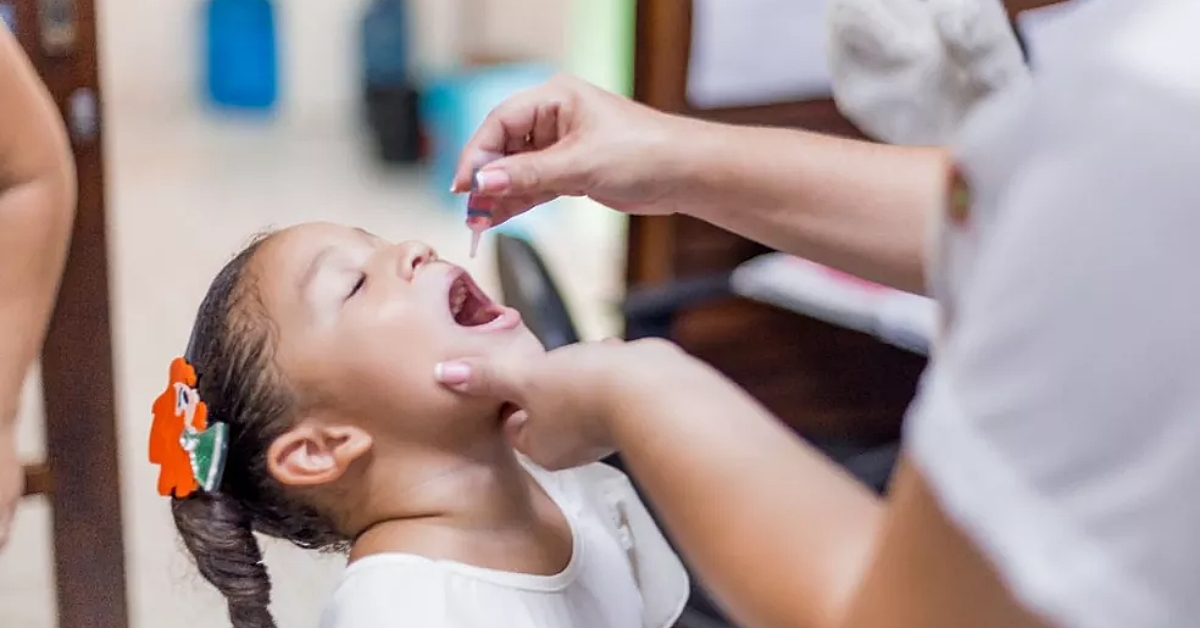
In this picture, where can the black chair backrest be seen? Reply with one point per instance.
(528, 288)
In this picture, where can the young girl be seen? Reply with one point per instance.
(306, 409)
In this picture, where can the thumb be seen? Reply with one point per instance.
(478, 378)
(554, 171)
(515, 432)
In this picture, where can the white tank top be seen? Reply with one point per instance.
(622, 573)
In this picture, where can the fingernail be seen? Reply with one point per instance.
(492, 181)
(453, 374)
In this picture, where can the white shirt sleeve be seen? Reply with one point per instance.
(1060, 422)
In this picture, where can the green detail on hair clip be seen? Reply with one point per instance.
(207, 452)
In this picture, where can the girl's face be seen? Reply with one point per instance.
(361, 322)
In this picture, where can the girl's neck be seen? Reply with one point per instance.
(466, 507)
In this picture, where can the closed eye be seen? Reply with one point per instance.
(358, 285)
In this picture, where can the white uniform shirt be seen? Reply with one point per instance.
(1059, 422)
(622, 573)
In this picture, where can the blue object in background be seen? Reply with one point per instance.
(453, 106)
(8, 15)
(241, 54)
(389, 93)
(385, 43)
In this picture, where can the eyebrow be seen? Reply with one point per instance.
(313, 267)
(319, 259)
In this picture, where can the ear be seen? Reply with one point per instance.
(312, 454)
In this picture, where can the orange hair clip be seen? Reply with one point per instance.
(190, 453)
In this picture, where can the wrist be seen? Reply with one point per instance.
(679, 165)
(659, 379)
(727, 167)
(700, 167)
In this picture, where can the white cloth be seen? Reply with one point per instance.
(1059, 423)
(910, 71)
(622, 573)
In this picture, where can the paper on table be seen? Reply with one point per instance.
(750, 52)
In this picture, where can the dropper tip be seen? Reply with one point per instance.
(475, 233)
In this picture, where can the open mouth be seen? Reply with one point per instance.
(469, 306)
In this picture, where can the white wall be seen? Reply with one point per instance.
(150, 49)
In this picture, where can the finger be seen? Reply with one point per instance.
(560, 170)
(612, 341)
(536, 442)
(480, 378)
(544, 133)
(546, 125)
(535, 445)
(470, 165)
(517, 144)
(514, 428)
(514, 118)
(507, 208)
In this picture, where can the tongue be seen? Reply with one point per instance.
(474, 313)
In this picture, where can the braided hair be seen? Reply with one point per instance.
(232, 350)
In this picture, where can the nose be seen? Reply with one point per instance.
(411, 256)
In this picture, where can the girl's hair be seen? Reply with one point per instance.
(232, 350)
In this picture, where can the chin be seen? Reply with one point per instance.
(522, 343)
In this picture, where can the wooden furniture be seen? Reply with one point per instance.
(80, 474)
(828, 383)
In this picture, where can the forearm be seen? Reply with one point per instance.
(854, 205)
(32, 248)
(37, 199)
(778, 533)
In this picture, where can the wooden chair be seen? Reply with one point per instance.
(80, 473)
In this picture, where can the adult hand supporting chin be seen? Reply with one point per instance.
(569, 398)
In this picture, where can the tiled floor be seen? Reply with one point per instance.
(183, 196)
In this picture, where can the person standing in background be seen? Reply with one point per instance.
(37, 207)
